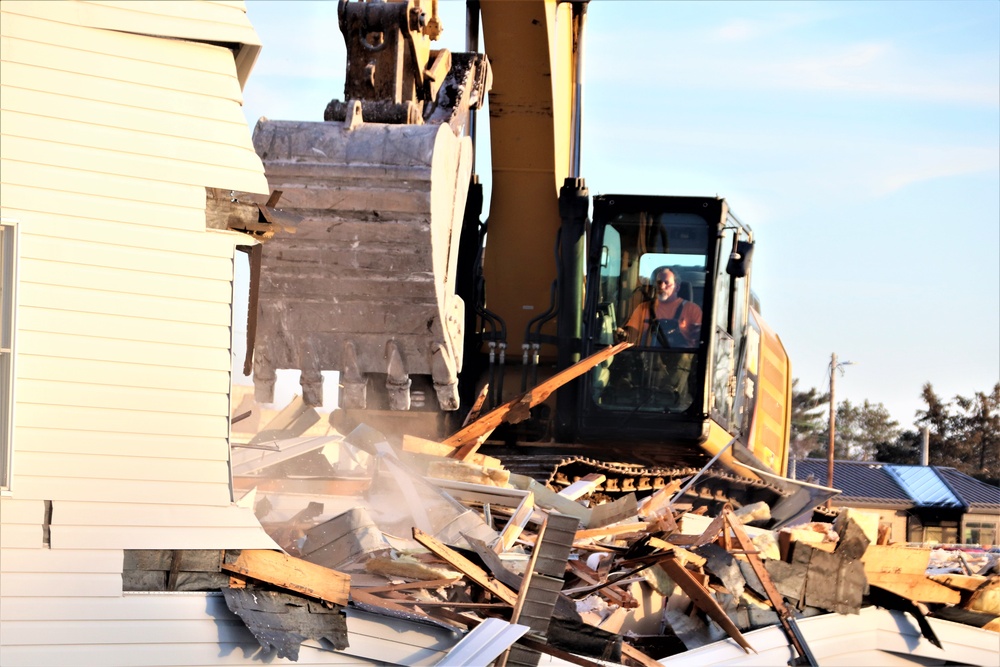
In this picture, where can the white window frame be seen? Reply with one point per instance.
(8, 330)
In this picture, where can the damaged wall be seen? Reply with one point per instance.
(116, 118)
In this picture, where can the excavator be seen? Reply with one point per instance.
(389, 275)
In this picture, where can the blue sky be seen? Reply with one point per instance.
(860, 141)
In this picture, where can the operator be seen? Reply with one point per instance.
(666, 320)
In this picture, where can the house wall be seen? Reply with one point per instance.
(115, 119)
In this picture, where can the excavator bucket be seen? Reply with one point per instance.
(365, 283)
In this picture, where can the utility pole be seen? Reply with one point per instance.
(833, 425)
(834, 367)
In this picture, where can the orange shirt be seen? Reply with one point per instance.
(687, 312)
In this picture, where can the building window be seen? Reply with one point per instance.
(980, 532)
(8, 303)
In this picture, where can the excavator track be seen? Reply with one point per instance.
(714, 487)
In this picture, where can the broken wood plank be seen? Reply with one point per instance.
(583, 486)
(477, 406)
(612, 593)
(610, 531)
(658, 503)
(465, 566)
(637, 655)
(775, 598)
(686, 557)
(467, 440)
(916, 587)
(704, 600)
(418, 445)
(515, 524)
(963, 582)
(890, 559)
(294, 574)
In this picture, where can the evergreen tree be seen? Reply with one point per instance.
(977, 426)
(859, 431)
(904, 450)
(807, 420)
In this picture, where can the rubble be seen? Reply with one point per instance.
(415, 533)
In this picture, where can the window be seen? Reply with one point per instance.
(8, 275)
(646, 253)
(980, 532)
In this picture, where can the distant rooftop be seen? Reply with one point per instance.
(902, 487)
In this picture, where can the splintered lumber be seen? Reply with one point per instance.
(477, 406)
(704, 600)
(916, 587)
(465, 566)
(784, 616)
(468, 439)
(418, 445)
(294, 574)
(515, 524)
(890, 559)
(902, 570)
(610, 531)
(637, 655)
(659, 502)
(964, 582)
(986, 598)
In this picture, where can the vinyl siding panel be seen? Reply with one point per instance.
(59, 584)
(157, 537)
(112, 468)
(155, 310)
(85, 394)
(110, 252)
(213, 21)
(95, 561)
(83, 216)
(111, 134)
(64, 440)
(13, 510)
(203, 69)
(117, 490)
(91, 347)
(19, 536)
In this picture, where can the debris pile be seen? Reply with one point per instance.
(411, 533)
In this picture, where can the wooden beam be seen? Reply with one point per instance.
(465, 566)
(765, 580)
(916, 587)
(292, 573)
(890, 559)
(467, 440)
(583, 486)
(609, 531)
(704, 600)
(658, 502)
(477, 406)
(418, 445)
(516, 524)
(637, 655)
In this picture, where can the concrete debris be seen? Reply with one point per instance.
(415, 532)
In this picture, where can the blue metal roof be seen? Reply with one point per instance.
(925, 486)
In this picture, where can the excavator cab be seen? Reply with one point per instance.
(678, 382)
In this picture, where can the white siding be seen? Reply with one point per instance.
(189, 629)
(116, 117)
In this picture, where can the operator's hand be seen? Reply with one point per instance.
(620, 335)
